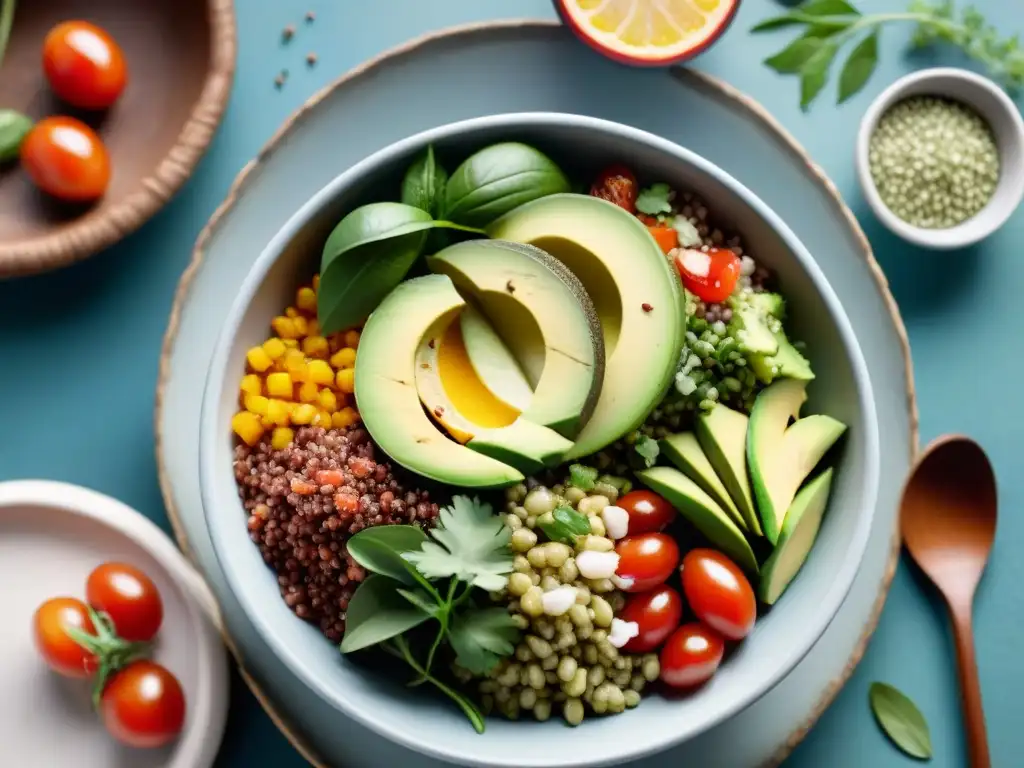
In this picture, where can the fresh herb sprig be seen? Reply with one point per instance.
(829, 25)
(417, 579)
(6, 20)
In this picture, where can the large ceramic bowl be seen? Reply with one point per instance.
(431, 725)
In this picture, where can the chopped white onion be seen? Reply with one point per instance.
(558, 600)
(622, 632)
(616, 521)
(597, 565)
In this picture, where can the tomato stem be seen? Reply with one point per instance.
(6, 20)
(112, 652)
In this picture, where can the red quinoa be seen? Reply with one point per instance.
(304, 502)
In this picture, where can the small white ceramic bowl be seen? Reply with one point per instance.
(1002, 115)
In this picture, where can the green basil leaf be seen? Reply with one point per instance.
(858, 67)
(901, 720)
(827, 8)
(379, 550)
(498, 179)
(567, 525)
(14, 127)
(421, 600)
(582, 477)
(814, 73)
(794, 56)
(377, 612)
(424, 183)
(778, 22)
(371, 224)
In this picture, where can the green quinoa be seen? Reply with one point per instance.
(934, 162)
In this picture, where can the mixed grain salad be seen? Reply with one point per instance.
(544, 447)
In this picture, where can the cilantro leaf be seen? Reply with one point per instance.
(481, 638)
(648, 449)
(470, 542)
(654, 200)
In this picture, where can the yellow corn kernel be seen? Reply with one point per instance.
(285, 327)
(345, 381)
(251, 385)
(344, 358)
(316, 346)
(305, 299)
(279, 385)
(256, 404)
(336, 340)
(301, 326)
(290, 343)
(258, 359)
(316, 282)
(352, 339)
(303, 414)
(323, 418)
(247, 426)
(309, 392)
(295, 364)
(346, 417)
(266, 422)
(291, 312)
(278, 413)
(281, 437)
(320, 372)
(328, 400)
(274, 347)
(314, 326)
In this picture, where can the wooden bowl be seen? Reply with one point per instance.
(181, 60)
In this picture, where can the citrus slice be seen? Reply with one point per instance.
(653, 32)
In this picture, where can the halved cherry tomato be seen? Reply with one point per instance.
(691, 656)
(657, 613)
(616, 184)
(718, 593)
(143, 705)
(66, 159)
(648, 512)
(666, 237)
(645, 561)
(84, 65)
(60, 652)
(129, 597)
(710, 276)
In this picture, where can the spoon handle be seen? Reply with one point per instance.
(970, 689)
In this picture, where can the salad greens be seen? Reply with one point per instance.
(566, 525)
(419, 578)
(654, 200)
(424, 183)
(14, 127)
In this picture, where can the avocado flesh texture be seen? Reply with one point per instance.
(701, 510)
(750, 329)
(544, 316)
(786, 363)
(493, 363)
(782, 456)
(685, 453)
(386, 393)
(722, 434)
(799, 531)
(635, 291)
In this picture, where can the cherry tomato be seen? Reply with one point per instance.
(718, 593)
(60, 652)
(616, 184)
(84, 65)
(666, 237)
(657, 613)
(710, 276)
(129, 597)
(66, 159)
(143, 705)
(645, 561)
(648, 512)
(691, 655)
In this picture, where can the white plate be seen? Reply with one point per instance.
(51, 536)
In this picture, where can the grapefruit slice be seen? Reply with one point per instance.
(648, 32)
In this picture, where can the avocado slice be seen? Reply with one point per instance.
(782, 456)
(722, 433)
(385, 387)
(544, 316)
(635, 291)
(492, 361)
(769, 304)
(787, 362)
(799, 531)
(749, 327)
(684, 451)
(701, 510)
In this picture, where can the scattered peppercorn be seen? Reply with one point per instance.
(311, 59)
(288, 32)
(646, 307)
(310, 17)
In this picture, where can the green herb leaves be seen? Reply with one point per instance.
(901, 720)
(567, 525)
(14, 127)
(654, 200)
(6, 20)
(859, 66)
(424, 184)
(377, 613)
(582, 477)
(482, 638)
(380, 549)
(648, 450)
(470, 542)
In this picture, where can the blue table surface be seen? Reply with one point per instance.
(80, 349)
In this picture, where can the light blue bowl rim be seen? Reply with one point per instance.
(211, 431)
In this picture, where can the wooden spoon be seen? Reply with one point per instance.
(948, 522)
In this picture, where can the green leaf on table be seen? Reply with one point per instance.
(567, 525)
(794, 56)
(654, 200)
(482, 637)
(14, 127)
(858, 67)
(814, 73)
(470, 542)
(648, 449)
(377, 612)
(827, 8)
(379, 550)
(424, 183)
(901, 720)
